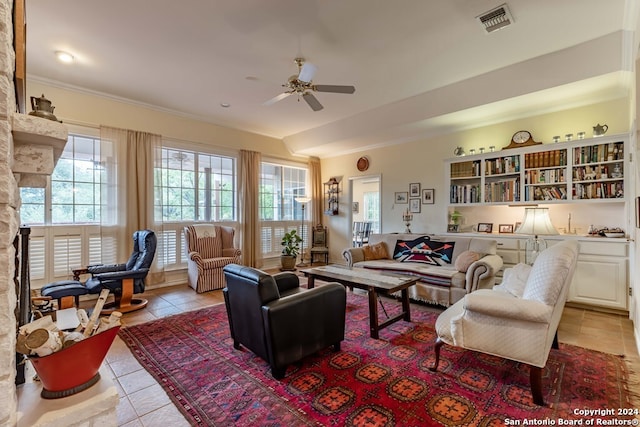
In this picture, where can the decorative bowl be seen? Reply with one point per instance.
(614, 234)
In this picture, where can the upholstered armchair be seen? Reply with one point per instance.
(209, 248)
(279, 321)
(517, 320)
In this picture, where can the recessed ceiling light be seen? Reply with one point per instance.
(65, 57)
(225, 104)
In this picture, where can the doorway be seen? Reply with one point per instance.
(365, 202)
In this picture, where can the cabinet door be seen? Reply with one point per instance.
(601, 281)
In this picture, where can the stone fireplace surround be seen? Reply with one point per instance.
(29, 149)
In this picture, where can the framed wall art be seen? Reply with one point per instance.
(428, 196)
(414, 205)
(402, 197)
(414, 190)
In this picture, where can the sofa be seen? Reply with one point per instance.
(449, 267)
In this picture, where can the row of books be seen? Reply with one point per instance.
(599, 153)
(545, 159)
(545, 193)
(465, 169)
(544, 176)
(599, 190)
(502, 191)
(464, 194)
(509, 164)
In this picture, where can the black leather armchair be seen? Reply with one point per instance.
(124, 280)
(279, 321)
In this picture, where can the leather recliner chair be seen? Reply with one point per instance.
(280, 321)
(124, 280)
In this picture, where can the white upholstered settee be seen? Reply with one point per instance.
(466, 263)
(518, 319)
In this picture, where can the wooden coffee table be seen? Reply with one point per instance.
(373, 282)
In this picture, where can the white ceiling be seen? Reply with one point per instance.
(419, 67)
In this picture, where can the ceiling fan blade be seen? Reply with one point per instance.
(307, 72)
(312, 101)
(334, 88)
(277, 98)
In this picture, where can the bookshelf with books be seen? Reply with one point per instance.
(598, 171)
(502, 179)
(545, 176)
(590, 170)
(465, 181)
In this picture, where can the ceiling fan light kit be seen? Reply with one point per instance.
(301, 85)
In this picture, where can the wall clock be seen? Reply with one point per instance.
(362, 164)
(521, 138)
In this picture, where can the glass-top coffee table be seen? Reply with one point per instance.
(373, 282)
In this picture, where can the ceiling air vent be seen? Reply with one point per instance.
(496, 19)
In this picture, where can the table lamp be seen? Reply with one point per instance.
(536, 223)
(302, 200)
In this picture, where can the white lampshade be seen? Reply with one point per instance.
(536, 222)
(303, 199)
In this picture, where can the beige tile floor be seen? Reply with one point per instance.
(144, 403)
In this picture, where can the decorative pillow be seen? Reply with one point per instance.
(465, 259)
(424, 250)
(514, 280)
(377, 251)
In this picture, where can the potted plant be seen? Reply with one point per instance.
(291, 248)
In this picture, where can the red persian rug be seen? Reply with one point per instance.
(384, 382)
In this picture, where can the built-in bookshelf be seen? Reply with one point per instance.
(502, 179)
(590, 169)
(465, 182)
(598, 171)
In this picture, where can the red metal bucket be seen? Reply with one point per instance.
(75, 368)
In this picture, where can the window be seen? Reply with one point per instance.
(193, 186)
(372, 210)
(74, 196)
(279, 186)
(279, 212)
(64, 216)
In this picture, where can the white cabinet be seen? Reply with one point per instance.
(601, 273)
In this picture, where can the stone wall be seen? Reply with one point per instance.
(9, 221)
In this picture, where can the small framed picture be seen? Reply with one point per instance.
(453, 228)
(402, 197)
(355, 208)
(428, 196)
(517, 225)
(414, 190)
(505, 228)
(414, 205)
(485, 227)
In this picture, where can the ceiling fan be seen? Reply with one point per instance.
(302, 85)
